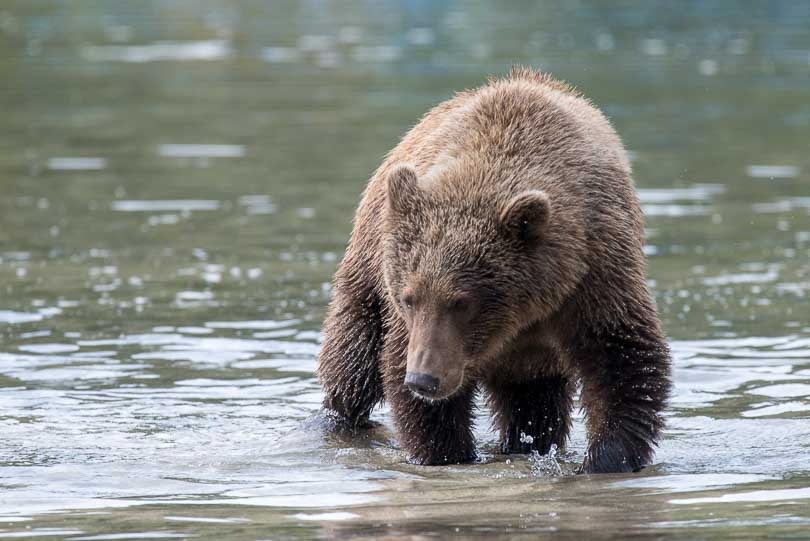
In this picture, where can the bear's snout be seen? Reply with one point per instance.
(433, 375)
(422, 384)
(432, 380)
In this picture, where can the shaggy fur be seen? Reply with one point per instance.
(499, 246)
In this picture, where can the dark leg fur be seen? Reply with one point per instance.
(349, 362)
(431, 432)
(434, 432)
(540, 408)
(625, 372)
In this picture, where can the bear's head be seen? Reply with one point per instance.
(461, 271)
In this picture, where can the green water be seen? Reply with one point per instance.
(177, 182)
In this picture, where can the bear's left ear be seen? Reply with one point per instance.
(526, 215)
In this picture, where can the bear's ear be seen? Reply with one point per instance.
(403, 189)
(526, 215)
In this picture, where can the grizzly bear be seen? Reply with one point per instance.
(499, 247)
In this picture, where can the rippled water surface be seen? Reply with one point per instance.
(177, 181)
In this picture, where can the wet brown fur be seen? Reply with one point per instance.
(560, 290)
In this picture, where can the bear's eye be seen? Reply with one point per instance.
(461, 305)
(407, 301)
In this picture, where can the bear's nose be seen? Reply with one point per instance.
(422, 384)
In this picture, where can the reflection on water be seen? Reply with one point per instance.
(76, 164)
(178, 185)
(154, 52)
(772, 171)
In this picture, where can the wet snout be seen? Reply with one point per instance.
(435, 367)
(422, 384)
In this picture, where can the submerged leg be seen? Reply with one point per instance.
(349, 361)
(432, 432)
(532, 415)
(625, 370)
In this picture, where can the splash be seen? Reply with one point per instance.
(545, 465)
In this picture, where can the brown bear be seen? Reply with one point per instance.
(499, 247)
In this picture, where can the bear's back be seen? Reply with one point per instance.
(504, 134)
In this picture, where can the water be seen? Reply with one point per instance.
(178, 180)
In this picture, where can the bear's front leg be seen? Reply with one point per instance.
(431, 432)
(625, 385)
(349, 362)
(532, 415)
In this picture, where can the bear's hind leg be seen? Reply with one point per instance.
(532, 415)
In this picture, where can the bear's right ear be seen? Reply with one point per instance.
(402, 189)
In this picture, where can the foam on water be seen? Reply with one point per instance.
(669, 484)
(796, 494)
(339, 515)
